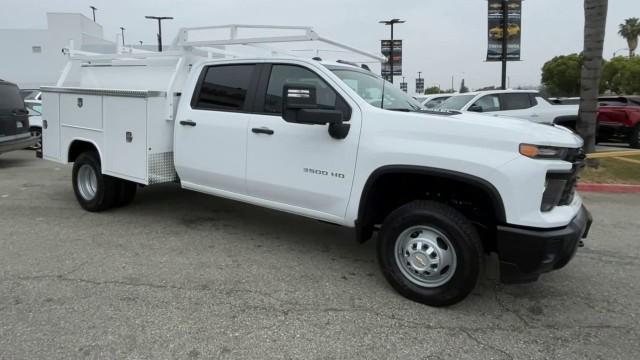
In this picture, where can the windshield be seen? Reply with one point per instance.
(455, 102)
(376, 91)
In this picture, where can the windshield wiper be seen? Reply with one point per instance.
(400, 109)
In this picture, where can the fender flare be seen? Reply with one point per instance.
(487, 187)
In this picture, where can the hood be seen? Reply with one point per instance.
(526, 131)
(482, 130)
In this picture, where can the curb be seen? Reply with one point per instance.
(610, 188)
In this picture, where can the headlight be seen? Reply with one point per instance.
(543, 152)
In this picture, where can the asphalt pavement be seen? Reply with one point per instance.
(183, 275)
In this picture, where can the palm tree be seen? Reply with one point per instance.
(595, 16)
(630, 30)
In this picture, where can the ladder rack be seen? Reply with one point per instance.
(184, 48)
(304, 33)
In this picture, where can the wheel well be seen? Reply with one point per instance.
(391, 187)
(78, 147)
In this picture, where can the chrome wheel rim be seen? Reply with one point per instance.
(425, 256)
(87, 182)
(38, 134)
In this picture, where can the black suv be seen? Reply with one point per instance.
(14, 119)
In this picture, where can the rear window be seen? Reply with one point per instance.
(10, 98)
(515, 101)
(224, 87)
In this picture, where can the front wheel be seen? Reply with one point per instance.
(430, 253)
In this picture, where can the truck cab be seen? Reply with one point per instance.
(332, 141)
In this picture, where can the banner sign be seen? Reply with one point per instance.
(397, 57)
(496, 31)
(420, 86)
(403, 86)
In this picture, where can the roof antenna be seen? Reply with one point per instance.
(317, 58)
(366, 67)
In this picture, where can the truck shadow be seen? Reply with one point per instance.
(270, 230)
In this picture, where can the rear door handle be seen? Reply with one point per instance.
(262, 130)
(188, 123)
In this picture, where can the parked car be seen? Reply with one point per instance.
(330, 141)
(523, 104)
(434, 100)
(619, 118)
(34, 107)
(14, 119)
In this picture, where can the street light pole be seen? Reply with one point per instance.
(505, 35)
(122, 30)
(159, 18)
(93, 9)
(391, 23)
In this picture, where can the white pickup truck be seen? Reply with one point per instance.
(327, 140)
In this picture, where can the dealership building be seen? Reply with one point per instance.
(33, 57)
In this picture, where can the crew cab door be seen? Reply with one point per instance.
(211, 130)
(300, 166)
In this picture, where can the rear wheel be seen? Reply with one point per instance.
(634, 139)
(430, 253)
(94, 191)
(36, 131)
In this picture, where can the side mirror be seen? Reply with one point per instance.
(299, 105)
(475, 108)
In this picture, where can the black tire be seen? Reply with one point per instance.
(461, 234)
(634, 138)
(106, 191)
(126, 192)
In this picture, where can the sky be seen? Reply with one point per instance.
(441, 38)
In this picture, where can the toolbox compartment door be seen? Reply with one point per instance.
(51, 127)
(125, 131)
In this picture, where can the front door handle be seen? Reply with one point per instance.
(188, 123)
(262, 130)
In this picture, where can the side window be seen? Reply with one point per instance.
(290, 74)
(224, 87)
(515, 101)
(489, 103)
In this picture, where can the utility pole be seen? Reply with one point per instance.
(391, 23)
(505, 38)
(93, 9)
(159, 18)
(122, 31)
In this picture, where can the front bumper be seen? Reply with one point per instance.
(525, 253)
(17, 144)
